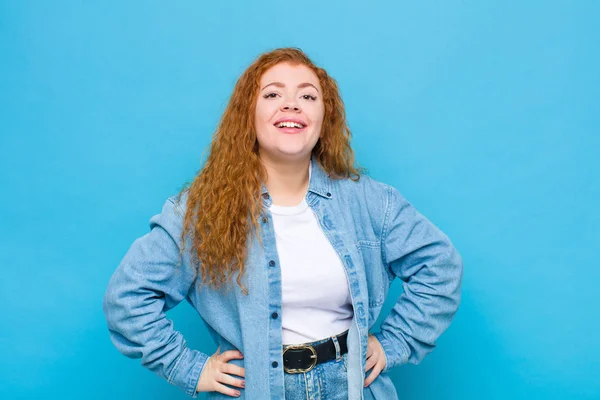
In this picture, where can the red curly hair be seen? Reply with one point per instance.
(224, 205)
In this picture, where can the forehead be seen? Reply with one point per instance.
(290, 75)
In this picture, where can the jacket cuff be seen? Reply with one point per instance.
(187, 371)
(395, 354)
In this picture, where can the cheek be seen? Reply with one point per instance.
(317, 116)
(263, 117)
(259, 114)
(265, 111)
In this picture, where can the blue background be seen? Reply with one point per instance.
(484, 114)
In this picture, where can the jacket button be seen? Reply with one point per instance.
(274, 315)
(265, 219)
(271, 263)
(265, 196)
(274, 364)
(328, 194)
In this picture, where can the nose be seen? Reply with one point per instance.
(290, 106)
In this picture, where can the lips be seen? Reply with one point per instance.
(290, 120)
(290, 125)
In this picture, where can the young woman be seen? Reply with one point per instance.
(287, 251)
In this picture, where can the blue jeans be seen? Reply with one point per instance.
(326, 381)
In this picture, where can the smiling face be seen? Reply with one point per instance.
(289, 113)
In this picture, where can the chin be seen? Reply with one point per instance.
(294, 155)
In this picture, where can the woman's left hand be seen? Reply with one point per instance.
(375, 359)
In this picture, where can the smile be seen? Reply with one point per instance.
(290, 125)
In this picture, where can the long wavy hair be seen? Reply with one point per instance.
(224, 204)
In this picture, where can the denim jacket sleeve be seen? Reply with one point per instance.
(431, 269)
(146, 284)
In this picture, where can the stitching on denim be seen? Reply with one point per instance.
(376, 303)
(366, 243)
(384, 226)
(321, 384)
(177, 365)
(306, 386)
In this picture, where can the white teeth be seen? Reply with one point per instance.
(289, 124)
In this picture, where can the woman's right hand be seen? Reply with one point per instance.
(217, 372)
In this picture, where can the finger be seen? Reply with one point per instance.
(370, 363)
(374, 373)
(230, 355)
(230, 380)
(225, 390)
(381, 362)
(233, 369)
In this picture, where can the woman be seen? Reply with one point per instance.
(287, 252)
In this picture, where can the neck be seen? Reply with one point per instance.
(287, 182)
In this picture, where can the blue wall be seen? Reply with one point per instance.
(483, 114)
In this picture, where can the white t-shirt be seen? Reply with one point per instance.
(316, 302)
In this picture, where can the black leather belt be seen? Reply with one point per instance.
(304, 357)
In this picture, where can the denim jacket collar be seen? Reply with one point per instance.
(320, 183)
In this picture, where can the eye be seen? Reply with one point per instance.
(309, 97)
(271, 95)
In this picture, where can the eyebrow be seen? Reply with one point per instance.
(300, 86)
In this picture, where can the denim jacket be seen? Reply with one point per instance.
(378, 236)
